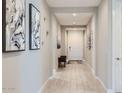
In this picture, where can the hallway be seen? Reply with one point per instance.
(39, 35)
(75, 78)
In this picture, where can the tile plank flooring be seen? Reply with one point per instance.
(75, 78)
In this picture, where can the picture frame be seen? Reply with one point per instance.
(34, 28)
(90, 41)
(13, 26)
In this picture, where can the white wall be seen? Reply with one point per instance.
(88, 51)
(59, 39)
(25, 72)
(63, 38)
(99, 57)
(93, 27)
(84, 45)
(55, 35)
(103, 44)
(91, 53)
(101, 52)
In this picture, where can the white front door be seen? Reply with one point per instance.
(75, 45)
(117, 45)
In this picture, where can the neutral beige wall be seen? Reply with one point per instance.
(55, 27)
(100, 26)
(63, 41)
(94, 31)
(103, 44)
(88, 51)
(91, 53)
(59, 39)
(101, 37)
(26, 72)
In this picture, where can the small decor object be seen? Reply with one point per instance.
(58, 46)
(34, 27)
(47, 32)
(90, 41)
(13, 23)
(44, 19)
(58, 39)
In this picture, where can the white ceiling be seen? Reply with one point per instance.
(73, 3)
(69, 19)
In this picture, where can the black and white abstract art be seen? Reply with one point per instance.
(13, 25)
(34, 27)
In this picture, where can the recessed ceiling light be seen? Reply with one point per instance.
(74, 14)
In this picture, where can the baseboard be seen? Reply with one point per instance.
(83, 60)
(43, 86)
(102, 83)
(54, 72)
(93, 72)
(110, 91)
(107, 90)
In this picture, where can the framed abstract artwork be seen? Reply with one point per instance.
(90, 41)
(13, 24)
(34, 28)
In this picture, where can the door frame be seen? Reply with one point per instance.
(113, 64)
(72, 28)
(68, 40)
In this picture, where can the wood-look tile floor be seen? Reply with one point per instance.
(75, 78)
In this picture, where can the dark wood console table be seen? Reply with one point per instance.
(62, 59)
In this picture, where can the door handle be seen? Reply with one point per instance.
(69, 48)
(117, 58)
